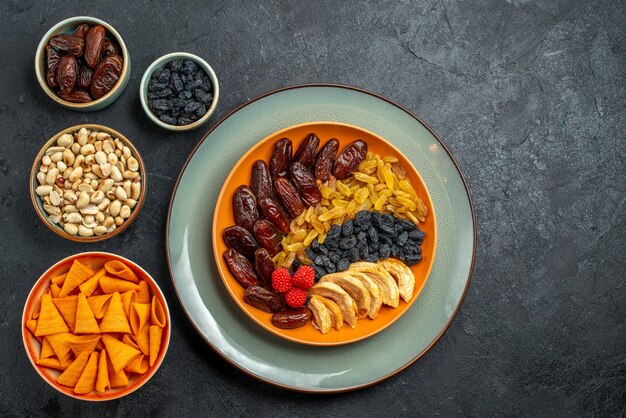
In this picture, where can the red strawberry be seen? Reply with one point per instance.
(295, 297)
(304, 277)
(281, 280)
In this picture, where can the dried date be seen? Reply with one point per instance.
(281, 158)
(261, 180)
(67, 73)
(263, 299)
(264, 267)
(68, 43)
(307, 150)
(289, 197)
(240, 268)
(76, 96)
(84, 76)
(81, 30)
(240, 239)
(305, 184)
(52, 62)
(110, 48)
(349, 159)
(290, 318)
(272, 211)
(325, 160)
(268, 236)
(105, 76)
(245, 208)
(94, 42)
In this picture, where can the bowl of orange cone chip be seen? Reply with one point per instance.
(96, 326)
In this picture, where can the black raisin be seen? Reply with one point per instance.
(376, 219)
(319, 260)
(201, 111)
(152, 96)
(192, 85)
(373, 234)
(395, 250)
(362, 217)
(165, 93)
(315, 245)
(192, 106)
(352, 255)
(202, 96)
(347, 229)
(189, 67)
(168, 119)
(159, 105)
(319, 271)
(384, 251)
(412, 260)
(406, 224)
(361, 236)
(334, 231)
(417, 235)
(175, 65)
(372, 258)
(164, 76)
(323, 249)
(343, 264)
(156, 87)
(185, 94)
(334, 257)
(403, 238)
(384, 239)
(387, 224)
(347, 243)
(184, 121)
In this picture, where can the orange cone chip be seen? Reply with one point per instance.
(157, 316)
(80, 343)
(46, 349)
(71, 375)
(67, 308)
(118, 379)
(98, 304)
(110, 285)
(55, 290)
(102, 379)
(52, 363)
(85, 321)
(90, 285)
(143, 292)
(31, 324)
(128, 298)
(87, 381)
(114, 319)
(58, 280)
(120, 354)
(139, 316)
(156, 334)
(139, 365)
(60, 346)
(143, 339)
(77, 275)
(126, 339)
(50, 320)
(119, 269)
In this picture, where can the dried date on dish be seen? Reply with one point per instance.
(325, 160)
(110, 48)
(105, 76)
(349, 159)
(264, 267)
(68, 43)
(81, 30)
(84, 76)
(94, 42)
(307, 150)
(240, 239)
(281, 158)
(290, 318)
(268, 236)
(272, 211)
(305, 184)
(240, 268)
(67, 73)
(289, 197)
(263, 299)
(245, 208)
(52, 62)
(261, 180)
(76, 96)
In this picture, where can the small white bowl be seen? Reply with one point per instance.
(160, 62)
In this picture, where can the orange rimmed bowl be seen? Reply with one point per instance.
(223, 217)
(32, 345)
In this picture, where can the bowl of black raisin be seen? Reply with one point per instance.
(179, 91)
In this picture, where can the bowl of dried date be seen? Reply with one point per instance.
(179, 91)
(324, 233)
(82, 63)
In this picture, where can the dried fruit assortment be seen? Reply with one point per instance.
(83, 66)
(345, 225)
(180, 93)
(89, 182)
(99, 328)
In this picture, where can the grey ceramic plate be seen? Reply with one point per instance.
(251, 348)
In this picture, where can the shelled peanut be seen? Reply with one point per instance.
(89, 183)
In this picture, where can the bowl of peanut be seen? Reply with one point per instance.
(88, 183)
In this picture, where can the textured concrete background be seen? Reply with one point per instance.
(530, 96)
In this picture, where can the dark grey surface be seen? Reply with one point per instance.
(530, 96)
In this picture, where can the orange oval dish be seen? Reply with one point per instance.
(223, 217)
(95, 261)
